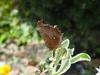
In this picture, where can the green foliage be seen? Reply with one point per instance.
(63, 58)
(12, 27)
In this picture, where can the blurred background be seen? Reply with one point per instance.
(78, 20)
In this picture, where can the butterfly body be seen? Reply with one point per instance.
(51, 35)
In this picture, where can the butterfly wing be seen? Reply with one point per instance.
(51, 35)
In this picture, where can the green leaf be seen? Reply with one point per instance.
(65, 43)
(2, 38)
(80, 57)
(65, 65)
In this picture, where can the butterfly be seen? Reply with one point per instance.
(51, 34)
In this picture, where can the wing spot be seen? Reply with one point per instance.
(54, 38)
